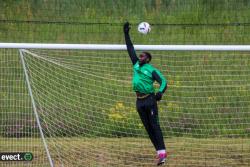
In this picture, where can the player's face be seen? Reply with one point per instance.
(143, 58)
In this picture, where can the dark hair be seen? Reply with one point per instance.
(148, 55)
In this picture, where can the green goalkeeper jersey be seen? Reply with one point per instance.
(144, 77)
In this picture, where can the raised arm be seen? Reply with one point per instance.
(129, 44)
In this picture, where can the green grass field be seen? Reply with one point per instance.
(97, 152)
(92, 21)
(90, 117)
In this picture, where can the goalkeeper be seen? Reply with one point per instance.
(143, 78)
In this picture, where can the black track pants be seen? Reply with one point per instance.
(148, 111)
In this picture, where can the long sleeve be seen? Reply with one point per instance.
(130, 48)
(161, 80)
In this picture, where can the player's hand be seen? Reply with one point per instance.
(126, 27)
(158, 96)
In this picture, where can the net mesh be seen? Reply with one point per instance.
(87, 109)
(85, 100)
(18, 127)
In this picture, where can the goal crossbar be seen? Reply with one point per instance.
(123, 47)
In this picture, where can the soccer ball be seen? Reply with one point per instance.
(144, 28)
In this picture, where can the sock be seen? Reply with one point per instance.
(161, 152)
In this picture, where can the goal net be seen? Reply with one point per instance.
(76, 107)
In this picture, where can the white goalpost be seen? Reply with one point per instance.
(73, 105)
(123, 47)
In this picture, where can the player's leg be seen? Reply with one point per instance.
(148, 112)
(144, 115)
(155, 126)
(156, 131)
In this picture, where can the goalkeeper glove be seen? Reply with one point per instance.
(158, 96)
(126, 27)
